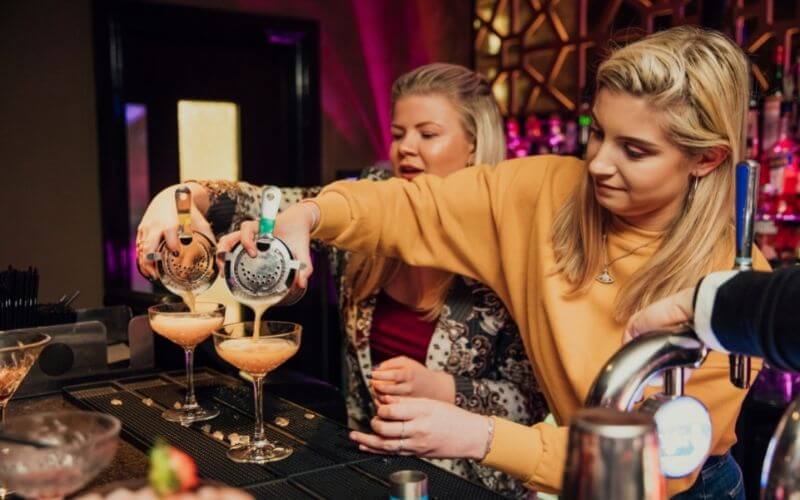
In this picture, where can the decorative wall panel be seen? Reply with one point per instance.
(540, 55)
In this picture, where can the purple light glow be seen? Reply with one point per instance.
(134, 112)
(283, 37)
(111, 259)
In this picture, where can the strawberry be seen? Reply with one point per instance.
(171, 470)
(184, 468)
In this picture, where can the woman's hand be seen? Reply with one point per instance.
(402, 376)
(160, 220)
(424, 427)
(293, 226)
(668, 313)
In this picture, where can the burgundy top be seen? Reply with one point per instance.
(398, 330)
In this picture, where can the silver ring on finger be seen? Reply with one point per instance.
(401, 445)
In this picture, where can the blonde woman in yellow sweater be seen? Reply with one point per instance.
(572, 247)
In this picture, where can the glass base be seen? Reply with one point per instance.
(254, 454)
(186, 416)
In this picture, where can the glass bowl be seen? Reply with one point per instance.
(83, 444)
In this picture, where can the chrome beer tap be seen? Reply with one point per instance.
(682, 422)
(746, 193)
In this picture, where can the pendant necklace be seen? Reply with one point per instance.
(605, 277)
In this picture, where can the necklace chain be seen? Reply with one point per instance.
(605, 277)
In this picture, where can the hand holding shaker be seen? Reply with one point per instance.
(271, 272)
(193, 269)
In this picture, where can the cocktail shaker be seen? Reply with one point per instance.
(272, 271)
(193, 269)
(612, 454)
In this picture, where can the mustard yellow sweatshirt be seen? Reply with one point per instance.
(493, 224)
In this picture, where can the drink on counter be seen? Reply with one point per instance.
(187, 327)
(18, 352)
(257, 349)
(257, 356)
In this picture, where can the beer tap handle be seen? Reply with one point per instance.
(746, 193)
(183, 204)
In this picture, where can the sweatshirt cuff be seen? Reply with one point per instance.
(704, 307)
(334, 215)
(518, 450)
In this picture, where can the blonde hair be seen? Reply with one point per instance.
(698, 80)
(472, 96)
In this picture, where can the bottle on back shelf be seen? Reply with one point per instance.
(753, 137)
(771, 112)
(584, 127)
(535, 136)
(555, 136)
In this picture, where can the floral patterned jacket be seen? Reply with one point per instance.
(475, 339)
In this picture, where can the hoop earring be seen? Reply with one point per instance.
(692, 191)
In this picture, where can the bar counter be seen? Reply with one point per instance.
(325, 463)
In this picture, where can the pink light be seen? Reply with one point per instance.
(365, 45)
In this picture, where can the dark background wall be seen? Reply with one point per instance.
(48, 136)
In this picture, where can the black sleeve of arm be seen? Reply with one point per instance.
(758, 314)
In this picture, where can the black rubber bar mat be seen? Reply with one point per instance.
(325, 463)
(281, 489)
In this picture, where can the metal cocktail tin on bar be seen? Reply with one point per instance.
(408, 485)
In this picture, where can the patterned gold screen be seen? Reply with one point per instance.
(540, 54)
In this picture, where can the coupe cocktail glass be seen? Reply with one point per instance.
(257, 356)
(187, 329)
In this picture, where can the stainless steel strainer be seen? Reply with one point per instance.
(271, 272)
(193, 268)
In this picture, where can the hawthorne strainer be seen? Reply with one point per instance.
(193, 268)
(271, 272)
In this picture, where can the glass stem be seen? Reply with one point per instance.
(258, 391)
(191, 402)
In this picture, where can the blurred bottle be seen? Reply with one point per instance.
(781, 159)
(513, 138)
(571, 138)
(555, 136)
(771, 113)
(584, 127)
(536, 141)
(753, 138)
(796, 101)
